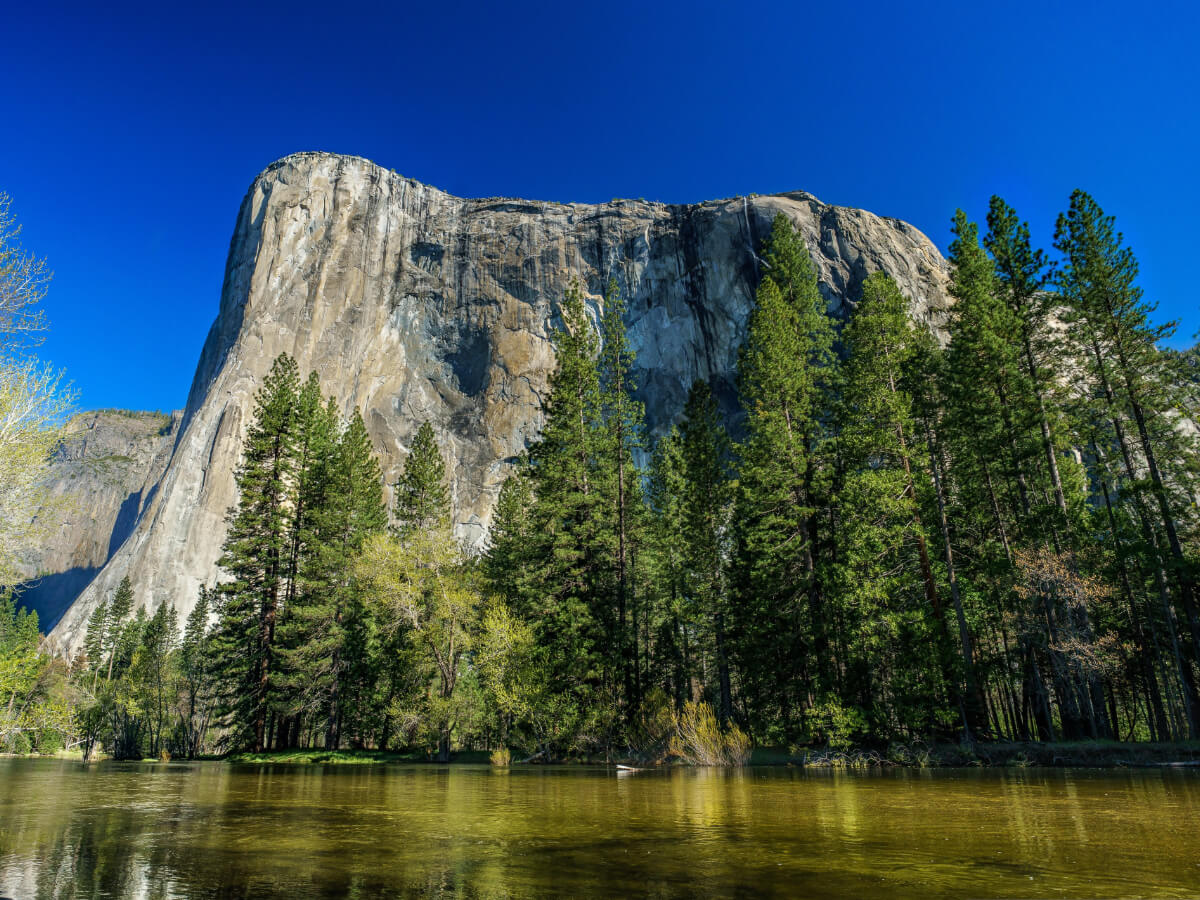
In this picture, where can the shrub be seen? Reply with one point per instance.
(700, 740)
(841, 727)
(501, 757)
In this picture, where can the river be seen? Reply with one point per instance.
(127, 830)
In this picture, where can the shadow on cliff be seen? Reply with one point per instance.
(127, 517)
(52, 595)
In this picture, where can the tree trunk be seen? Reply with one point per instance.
(974, 702)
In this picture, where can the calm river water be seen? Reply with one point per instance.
(211, 829)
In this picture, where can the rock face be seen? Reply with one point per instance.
(101, 479)
(415, 305)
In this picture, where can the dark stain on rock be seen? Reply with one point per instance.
(470, 361)
(427, 256)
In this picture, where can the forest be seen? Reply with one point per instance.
(963, 532)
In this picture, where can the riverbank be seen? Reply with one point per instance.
(1063, 754)
(1067, 754)
(347, 757)
(1072, 754)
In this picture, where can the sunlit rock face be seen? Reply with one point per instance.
(415, 305)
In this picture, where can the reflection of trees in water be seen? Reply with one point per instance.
(219, 831)
(91, 854)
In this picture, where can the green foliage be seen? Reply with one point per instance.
(421, 586)
(883, 575)
(700, 740)
(422, 501)
(836, 726)
(292, 648)
(987, 532)
(34, 711)
(786, 377)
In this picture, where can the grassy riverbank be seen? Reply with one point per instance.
(1077, 754)
(1082, 754)
(347, 757)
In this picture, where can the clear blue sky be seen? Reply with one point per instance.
(130, 134)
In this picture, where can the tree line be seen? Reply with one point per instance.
(981, 532)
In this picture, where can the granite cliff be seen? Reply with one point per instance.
(100, 481)
(413, 305)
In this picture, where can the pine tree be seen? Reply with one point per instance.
(255, 557)
(118, 611)
(569, 521)
(195, 686)
(507, 564)
(1021, 276)
(785, 377)
(994, 416)
(1110, 329)
(983, 377)
(620, 480)
(420, 584)
(898, 665)
(674, 617)
(707, 495)
(127, 722)
(924, 382)
(93, 642)
(422, 500)
(989, 452)
(152, 675)
(295, 693)
(328, 645)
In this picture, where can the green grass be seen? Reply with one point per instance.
(350, 757)
(1085, 754)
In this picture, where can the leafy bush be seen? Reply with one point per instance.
(501, 757)
(700, 740)
(654, 729)
(841, 727)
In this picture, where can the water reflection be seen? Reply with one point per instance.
(202, 830)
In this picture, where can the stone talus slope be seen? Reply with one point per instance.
(100, 480)
(415, 305)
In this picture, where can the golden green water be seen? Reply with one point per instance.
(212, 829)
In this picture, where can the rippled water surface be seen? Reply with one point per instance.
(212, 829)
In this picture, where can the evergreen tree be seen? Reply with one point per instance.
(620, 479)
(94, 640)
(1021, 276)
(568, 522)
(152, 675)
(1135, 399)
(255, 558)
(127, 722)
(118, 611)
(674, 616)
(296, 695)
(897, 666)
(422, 500)
(507, 565)
(329, 642)
(195, 687)
(785, 378)
(924, 382)
(421, 585)
(998, 448)
(707, 504)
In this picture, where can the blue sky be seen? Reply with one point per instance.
(130, 133)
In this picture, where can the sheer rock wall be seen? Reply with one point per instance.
(413, 305)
